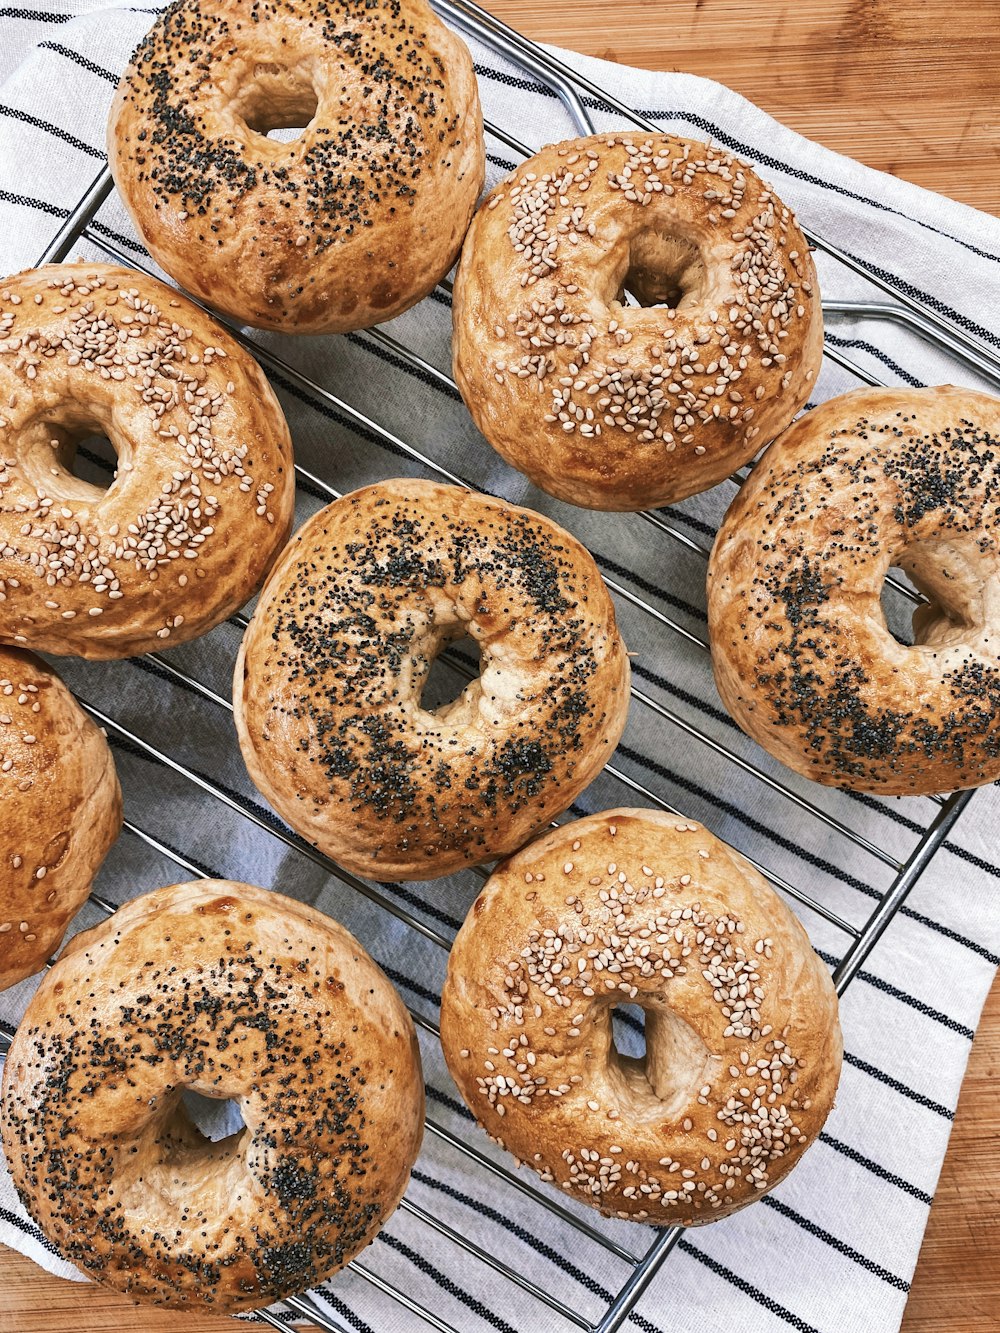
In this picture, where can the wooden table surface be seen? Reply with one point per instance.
(908, 86)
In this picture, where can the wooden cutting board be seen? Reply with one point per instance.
(908, 86)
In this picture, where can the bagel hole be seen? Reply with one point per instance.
(94, 460)
(629, 1053)
(74, 461)
(277, 103)
(628, 1027)
(664, 269)
(449, 677)
(948, 575)
(659, 1058)
(897, 609)
(215, 1118)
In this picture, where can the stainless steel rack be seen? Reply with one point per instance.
(580, 98)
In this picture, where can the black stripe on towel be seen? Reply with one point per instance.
(741, 1284)
(80, 60)
(28, 1230)
(848, 1251)
(863, 346)
(14, 114)
(883, 1174)
(452, 1288)
(857, 1063)
(33, 15)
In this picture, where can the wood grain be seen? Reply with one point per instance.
(957, 1284)
(908, 86)
(31, 1301)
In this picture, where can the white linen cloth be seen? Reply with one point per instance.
(834, 1247)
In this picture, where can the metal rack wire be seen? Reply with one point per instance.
(579, 97)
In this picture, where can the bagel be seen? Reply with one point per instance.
(608, 405)
(231, 992)
(346, 226)
(327, 693)
(803, 658)
(201, 500)
(60, 811)
(743, 1042)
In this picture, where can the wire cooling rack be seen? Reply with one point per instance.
(579, 97)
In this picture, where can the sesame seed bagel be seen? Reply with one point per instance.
(347, 225)
(60, 811)
(231, 992)
(803, 658)
(743, 1042)
(329, 677)
(613, 406)
(202, 498)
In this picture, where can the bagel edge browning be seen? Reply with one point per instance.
(327, 680)
(616, 407)
(532, 1052)
(235, 992)
(60, 811)
(204, 491)
(346, 226)
(802, 655)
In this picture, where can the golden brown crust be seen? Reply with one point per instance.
(232, 992)
(346, 226)
(616, 407)
(203, 495)
(60, 811)
(329, 678)
(743, 1043)
(803, 658)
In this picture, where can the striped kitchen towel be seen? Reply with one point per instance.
(834, 1247)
